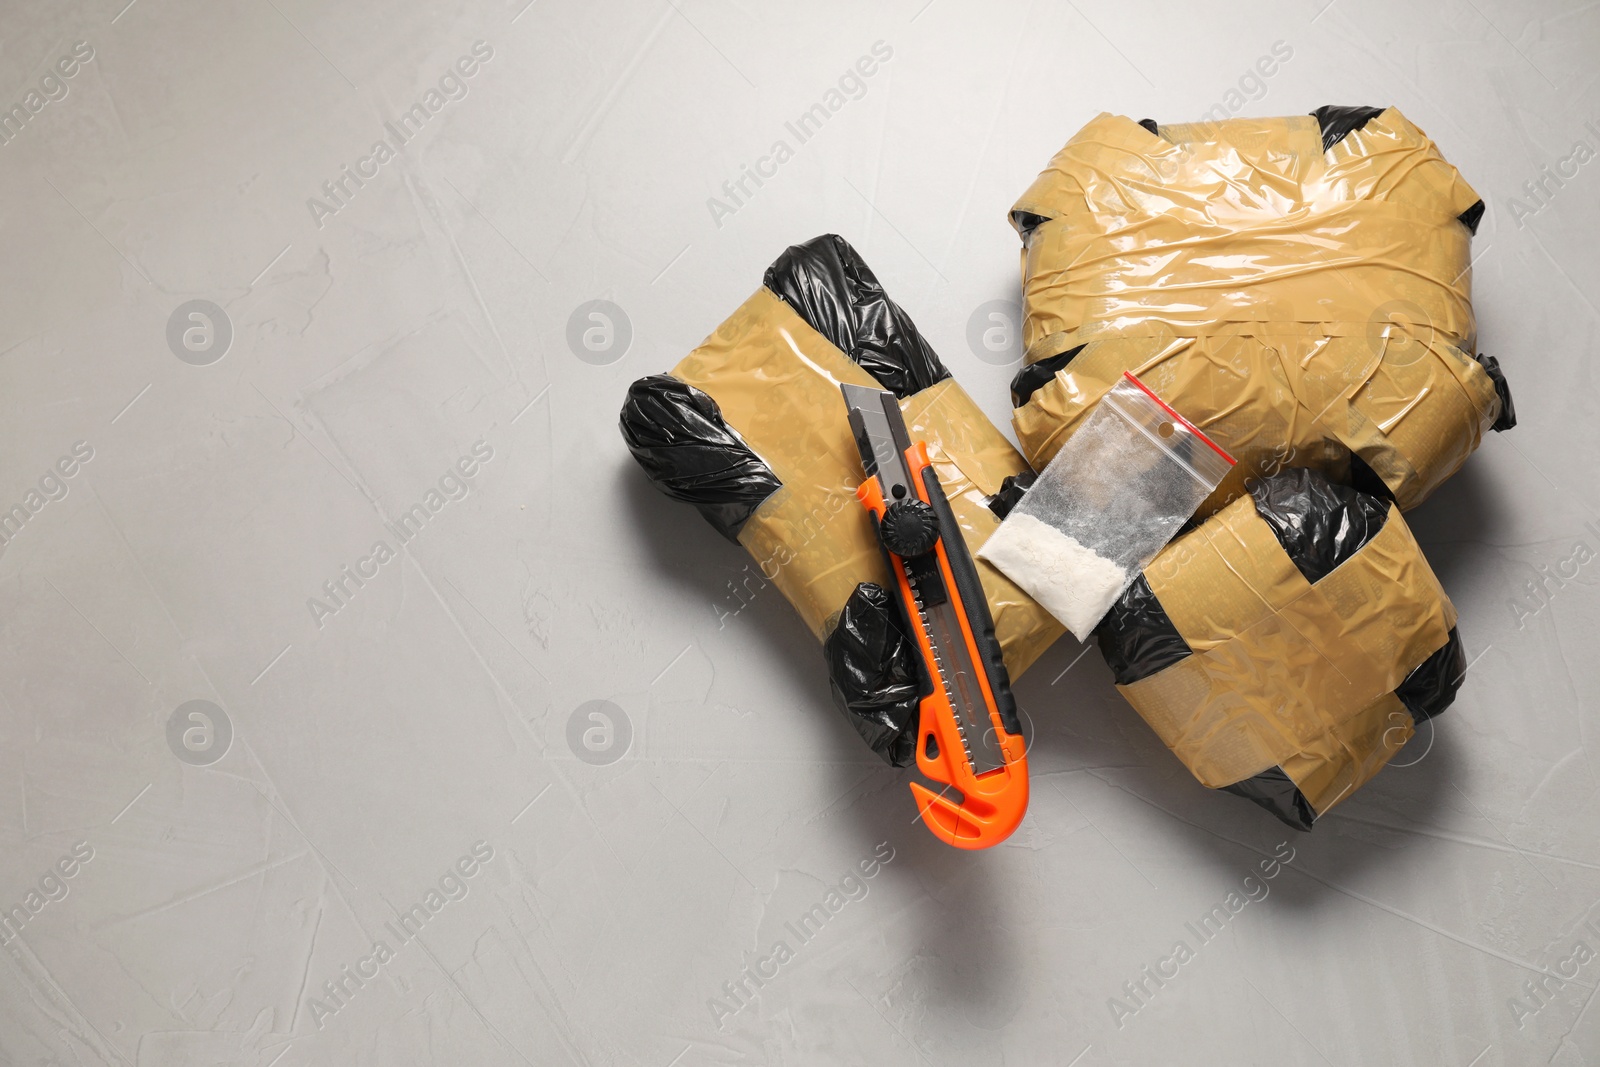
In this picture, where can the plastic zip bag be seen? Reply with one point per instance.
(1113, 496)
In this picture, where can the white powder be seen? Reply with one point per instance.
(1074, 583)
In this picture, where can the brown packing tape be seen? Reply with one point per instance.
(1369, 738)
(1224, 577)
(1340, 267)
(777, 382)
(1414, 409)
(1392, 160)
(1243, 226)
(1421, 414)
(1234, 387)
(1322, 298)
(972, 459)
(1283, 672)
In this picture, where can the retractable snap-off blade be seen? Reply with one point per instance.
(969, 739)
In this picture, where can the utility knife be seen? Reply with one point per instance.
(969, 739)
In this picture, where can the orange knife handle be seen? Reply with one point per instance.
(993, 803)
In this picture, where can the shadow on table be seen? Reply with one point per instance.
(678, 547)
(1171, 821)
(1084, 736)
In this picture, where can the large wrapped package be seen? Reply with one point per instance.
(1298, 287)
(1287, 647)
(751, 428)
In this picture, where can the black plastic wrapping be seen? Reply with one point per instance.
(1136, 637)
(1319, 525)
(1036, 376)
(1025, 222)
(1508, 411)
(1363, 479)
(1340, 122)
(677, 434)
(1276, 791)
(828, 285)
(1431, 687)
(1011, 492)
(872, 670)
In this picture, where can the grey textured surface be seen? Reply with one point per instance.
(439, 706)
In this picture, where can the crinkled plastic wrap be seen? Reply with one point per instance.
(751, 428)
(1299, 287)
(872, 669)
(677, 434)
(1285, 648)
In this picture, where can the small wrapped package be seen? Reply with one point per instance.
(751, 428)
(1287, 647)
(1298, 287)
(1112, 498)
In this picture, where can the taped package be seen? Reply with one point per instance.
(1298, 287)
(1287, 647)
(751, 428)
